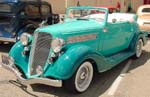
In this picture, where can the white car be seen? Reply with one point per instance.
(143, 13)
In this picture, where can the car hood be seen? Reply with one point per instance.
(76, 26)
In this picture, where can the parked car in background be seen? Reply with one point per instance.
(19, 16)
(69, 54)
(143, 13)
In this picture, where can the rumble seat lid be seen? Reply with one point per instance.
(121, 17)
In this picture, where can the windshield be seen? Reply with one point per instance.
(5, 8)
(95, 14)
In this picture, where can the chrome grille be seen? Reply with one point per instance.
(40, 51)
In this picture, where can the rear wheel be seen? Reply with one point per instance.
(82, 79)
(138, 48)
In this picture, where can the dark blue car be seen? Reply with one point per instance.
(19, 16)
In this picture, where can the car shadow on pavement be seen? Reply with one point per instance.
(23, 87)
(137, 63)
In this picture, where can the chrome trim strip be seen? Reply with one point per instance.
(81, 38)
(7, 39)
(47, 81)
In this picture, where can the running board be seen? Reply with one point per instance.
(117, 58)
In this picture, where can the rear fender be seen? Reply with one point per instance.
(136, 37)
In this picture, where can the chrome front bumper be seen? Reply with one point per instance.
(7, 63)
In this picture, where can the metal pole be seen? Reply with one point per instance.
(66, 4)
(78, 3)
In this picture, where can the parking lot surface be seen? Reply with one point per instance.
(135, 81)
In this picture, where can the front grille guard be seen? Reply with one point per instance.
(39, 52)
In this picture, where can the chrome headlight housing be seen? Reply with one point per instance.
(25, 38)
(57, 44)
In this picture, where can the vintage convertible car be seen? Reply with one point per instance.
(143, 13)
(19, 16)
(69, 54)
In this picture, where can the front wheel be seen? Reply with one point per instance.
(82, 79)
(138, 48)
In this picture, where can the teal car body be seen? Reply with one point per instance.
(100, 41)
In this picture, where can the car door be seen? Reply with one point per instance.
(114, 38)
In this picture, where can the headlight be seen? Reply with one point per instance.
(25, 38)
(57, 44)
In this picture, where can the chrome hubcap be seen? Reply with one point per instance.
(84, 77)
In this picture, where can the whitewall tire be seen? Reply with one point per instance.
(138, 48)
(81, 79)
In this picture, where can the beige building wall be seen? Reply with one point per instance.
(93, 2)
(106, 3)
(59, 6)
(136, 4)
(87, 2)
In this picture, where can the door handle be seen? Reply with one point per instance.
(105, 30)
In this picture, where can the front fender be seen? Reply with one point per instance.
(19, 59)
(67, 64)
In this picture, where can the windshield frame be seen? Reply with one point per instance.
(105, 10)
